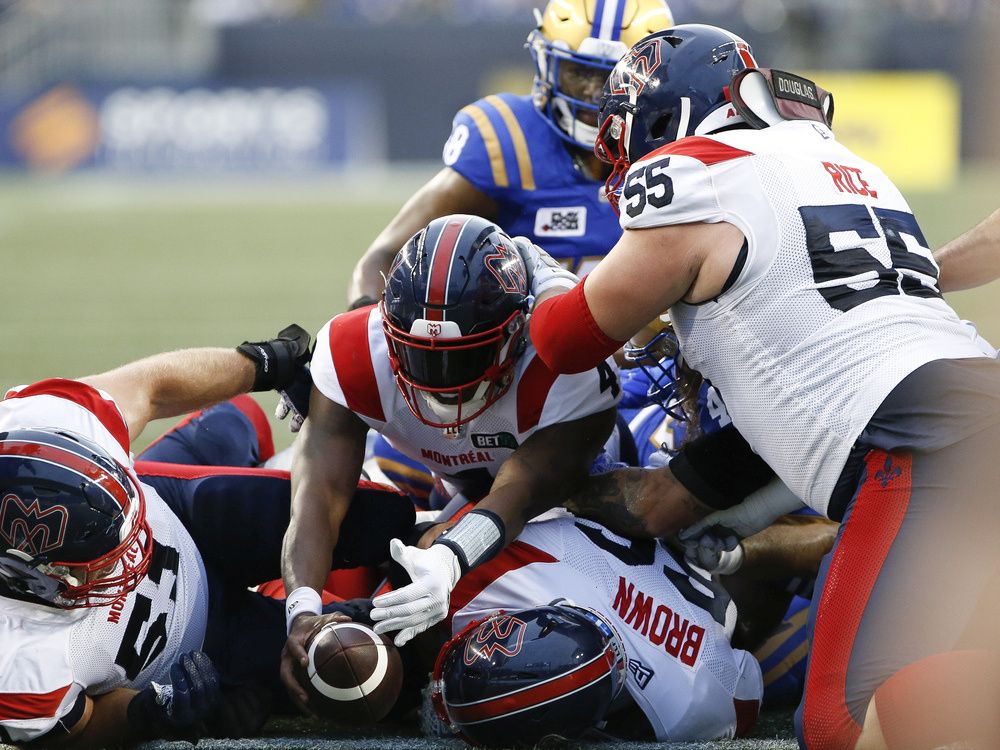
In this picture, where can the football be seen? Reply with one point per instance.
(354, 674)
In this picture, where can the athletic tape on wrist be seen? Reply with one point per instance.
(478, 537)
(303, 599)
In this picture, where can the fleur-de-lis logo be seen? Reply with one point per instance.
(888, 472)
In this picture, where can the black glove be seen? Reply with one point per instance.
(278, 362)
(180, 708)
(295, 399)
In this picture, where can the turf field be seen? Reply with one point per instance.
(99, 271)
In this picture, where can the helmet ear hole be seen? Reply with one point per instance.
(661, 126)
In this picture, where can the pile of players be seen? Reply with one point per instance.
(600, 552)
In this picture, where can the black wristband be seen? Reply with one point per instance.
(363, 301)
(476, 538)
(720, 469)
(279, 361)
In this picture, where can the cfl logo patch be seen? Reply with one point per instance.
(568, 221)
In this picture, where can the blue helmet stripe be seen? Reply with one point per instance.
(595, 30)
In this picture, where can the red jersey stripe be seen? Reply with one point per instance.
(865, 544)
(532, 391)
(437, 284)
(86, 396)
(352, 359)
(516, 555)
(706, 150)
(586, 674)
(26, 706)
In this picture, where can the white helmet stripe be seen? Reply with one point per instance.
(610, 19)
(685, 120)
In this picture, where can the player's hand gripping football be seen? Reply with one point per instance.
(177, 709)
(423, 603)
(295, 657)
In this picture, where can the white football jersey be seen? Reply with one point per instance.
(350, 366)
(673, 620)
(837, 300)
(48, 657)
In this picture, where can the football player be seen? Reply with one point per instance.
(801, 285)
(114, 626)
(445, 370)
(622, 613)
(525, 162)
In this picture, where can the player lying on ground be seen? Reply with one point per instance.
(445, 370)
(115, 627)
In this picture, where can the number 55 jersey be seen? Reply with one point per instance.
(51, 658)
(833, 301)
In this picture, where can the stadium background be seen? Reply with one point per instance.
(197, 172)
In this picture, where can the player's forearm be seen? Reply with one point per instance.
(638, 503)
(175, 383)
(368, 278)
(792, 546)
(972, 259)
(104, 723)
(311, 536)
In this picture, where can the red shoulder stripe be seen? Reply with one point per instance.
(516, 555)
(532, 390)
(87, 397)
(352, 359)
(22, 706)
(706, 150)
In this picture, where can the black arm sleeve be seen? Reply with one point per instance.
(720, 468)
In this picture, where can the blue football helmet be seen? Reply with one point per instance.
(519, 677)
(574, 47)
(73, 529)
(656, 352)
(454, 313)
(670, 85)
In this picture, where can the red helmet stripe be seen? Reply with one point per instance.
(535, 695)
(72, 461)
(437, 283)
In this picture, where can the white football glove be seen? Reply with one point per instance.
(414, 608)
(544, 271)
(719, 555)
(757, 511)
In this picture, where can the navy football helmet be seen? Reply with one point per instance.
(519, 677)
(454, 313)
(656, 352)
(73, 529)
(672, 84)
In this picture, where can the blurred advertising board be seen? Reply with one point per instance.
(907, 123)
(189, 128)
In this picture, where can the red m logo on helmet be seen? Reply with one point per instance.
(508, 268)
(30, 529)
(504, 634)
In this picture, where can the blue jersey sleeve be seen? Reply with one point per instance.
(488, 146)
